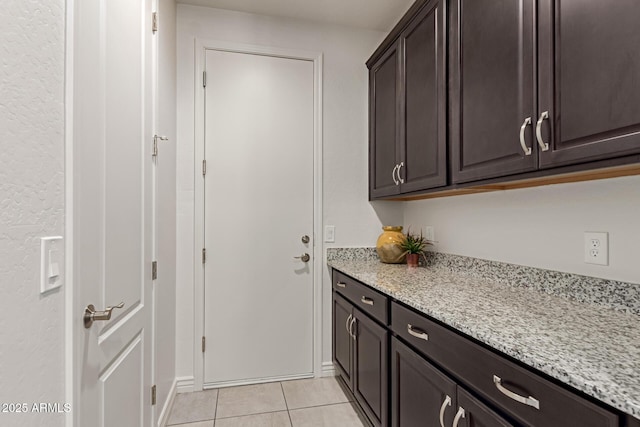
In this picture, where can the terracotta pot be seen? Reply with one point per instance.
(388, 245)
(413, 260)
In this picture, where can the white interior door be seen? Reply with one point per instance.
(112, 211)
(259, 118)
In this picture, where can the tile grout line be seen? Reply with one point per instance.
(286, 404)
(215, 411)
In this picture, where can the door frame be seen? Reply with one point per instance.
(200, 48)
(69, 292)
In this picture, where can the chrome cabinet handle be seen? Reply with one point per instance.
(417, 332)
(399, 177)
(304, 257)
(527, 150)
(447, 402)
(393, 174)
(366, 300)
(543, 145)
(347, 326)
(459, 414)
(341, 285)
(91, 315)
(353, 335)
(530, 401)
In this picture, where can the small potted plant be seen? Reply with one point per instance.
(414, 246)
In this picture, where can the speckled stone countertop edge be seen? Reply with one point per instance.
(616, 385)
(618, 295)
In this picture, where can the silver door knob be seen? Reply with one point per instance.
(304, 257)
(90, 314)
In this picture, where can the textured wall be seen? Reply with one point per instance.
(540, 227)
(31, 204)
(344, 132)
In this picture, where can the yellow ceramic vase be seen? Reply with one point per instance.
(388, 245)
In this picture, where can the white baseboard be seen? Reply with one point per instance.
(328, 370)
(168, 404)
(236, 383)
(185, 384)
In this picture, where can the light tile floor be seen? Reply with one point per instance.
(299, 403)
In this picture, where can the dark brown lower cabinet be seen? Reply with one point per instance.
(422, 395)
(360, 353)
(342, 313)
(370, 366)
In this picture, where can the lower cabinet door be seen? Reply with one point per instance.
(370, 368)
(420, 394)
(474, 413)
(342, 342)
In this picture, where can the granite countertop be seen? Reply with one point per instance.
(590, 347)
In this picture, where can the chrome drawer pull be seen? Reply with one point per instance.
(527, 150)
(341, 285)
(530, 401)
(447, 402)
(543, 145)
(398, 173)
(366, 300)
(459, 415)
(416, 332)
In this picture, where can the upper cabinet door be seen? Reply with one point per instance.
(492, 88)
(589, 71)
(384, 129)
(423, 133)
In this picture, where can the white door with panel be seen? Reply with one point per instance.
(112, 202)
(259, 192)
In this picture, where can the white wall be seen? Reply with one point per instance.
(540, 227)
(32, 43)
(165, 285)
(345, 139)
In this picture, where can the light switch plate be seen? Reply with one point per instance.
(429, 233)
(329, 233)
(51, 259)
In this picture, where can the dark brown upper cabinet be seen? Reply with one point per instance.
(587, 87)
(384, 124)
(492, 87)
(407, 116)
(589, 80)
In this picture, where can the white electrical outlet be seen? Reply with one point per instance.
(329, 233)
(596, 248)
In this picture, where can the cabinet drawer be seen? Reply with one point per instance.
(366, 299)
(496, 378)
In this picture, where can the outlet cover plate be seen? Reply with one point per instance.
(596, 248)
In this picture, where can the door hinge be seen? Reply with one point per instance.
(154, 22)
(204, 79)
(204, 255)
(157, 138)
(153, 395)
(203, 344)
(204, 167)
(154, 270)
